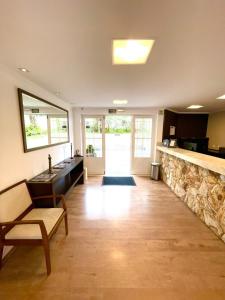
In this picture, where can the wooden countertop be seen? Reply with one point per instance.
(212, 163)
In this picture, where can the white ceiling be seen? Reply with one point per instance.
(66, 45)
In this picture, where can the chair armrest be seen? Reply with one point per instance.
(11, 224)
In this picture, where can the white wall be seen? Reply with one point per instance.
(216, 130)
(158, 133)
(15, 164)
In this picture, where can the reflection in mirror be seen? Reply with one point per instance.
(44, 124)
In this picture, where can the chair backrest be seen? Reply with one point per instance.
(14, 201)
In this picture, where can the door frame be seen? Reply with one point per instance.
(132, 158)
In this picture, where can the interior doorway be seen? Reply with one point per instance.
(118, 143)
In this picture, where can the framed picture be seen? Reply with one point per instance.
(173, 143)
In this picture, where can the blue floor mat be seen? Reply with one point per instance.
(111, 180)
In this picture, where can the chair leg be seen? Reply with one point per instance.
(47, 255)
(1, 255)
(66, 223)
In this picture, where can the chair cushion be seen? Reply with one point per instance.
(14, 202)
(50, 216)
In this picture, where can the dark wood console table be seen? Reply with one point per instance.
(66, 174)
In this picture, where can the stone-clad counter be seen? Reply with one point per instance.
(199, 180)
(211, 163)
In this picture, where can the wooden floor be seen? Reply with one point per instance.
(124, 243)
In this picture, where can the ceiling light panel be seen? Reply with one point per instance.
(127, 52)
(194, 106)
(221, 97)
(120, 102)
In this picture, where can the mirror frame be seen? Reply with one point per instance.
(20, 96)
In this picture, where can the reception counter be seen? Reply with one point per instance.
(199, 180)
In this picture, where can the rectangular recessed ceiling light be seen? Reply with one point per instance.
(221, 97)
(120, 102)
(127, 52)
(195, 106)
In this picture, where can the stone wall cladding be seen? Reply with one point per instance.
(202, 190)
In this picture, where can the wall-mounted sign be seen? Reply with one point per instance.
(172, 130)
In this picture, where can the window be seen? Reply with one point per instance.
(93, 137)
(143, 137)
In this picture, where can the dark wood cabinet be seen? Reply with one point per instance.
(67, 177)
(187, 125)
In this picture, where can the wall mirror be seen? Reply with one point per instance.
(43, 123)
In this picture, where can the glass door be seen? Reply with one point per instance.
(142, 145)
(94, 144)
(118, 145)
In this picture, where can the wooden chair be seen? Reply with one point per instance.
(23, 224)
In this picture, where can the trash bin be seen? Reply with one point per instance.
(155, 171)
